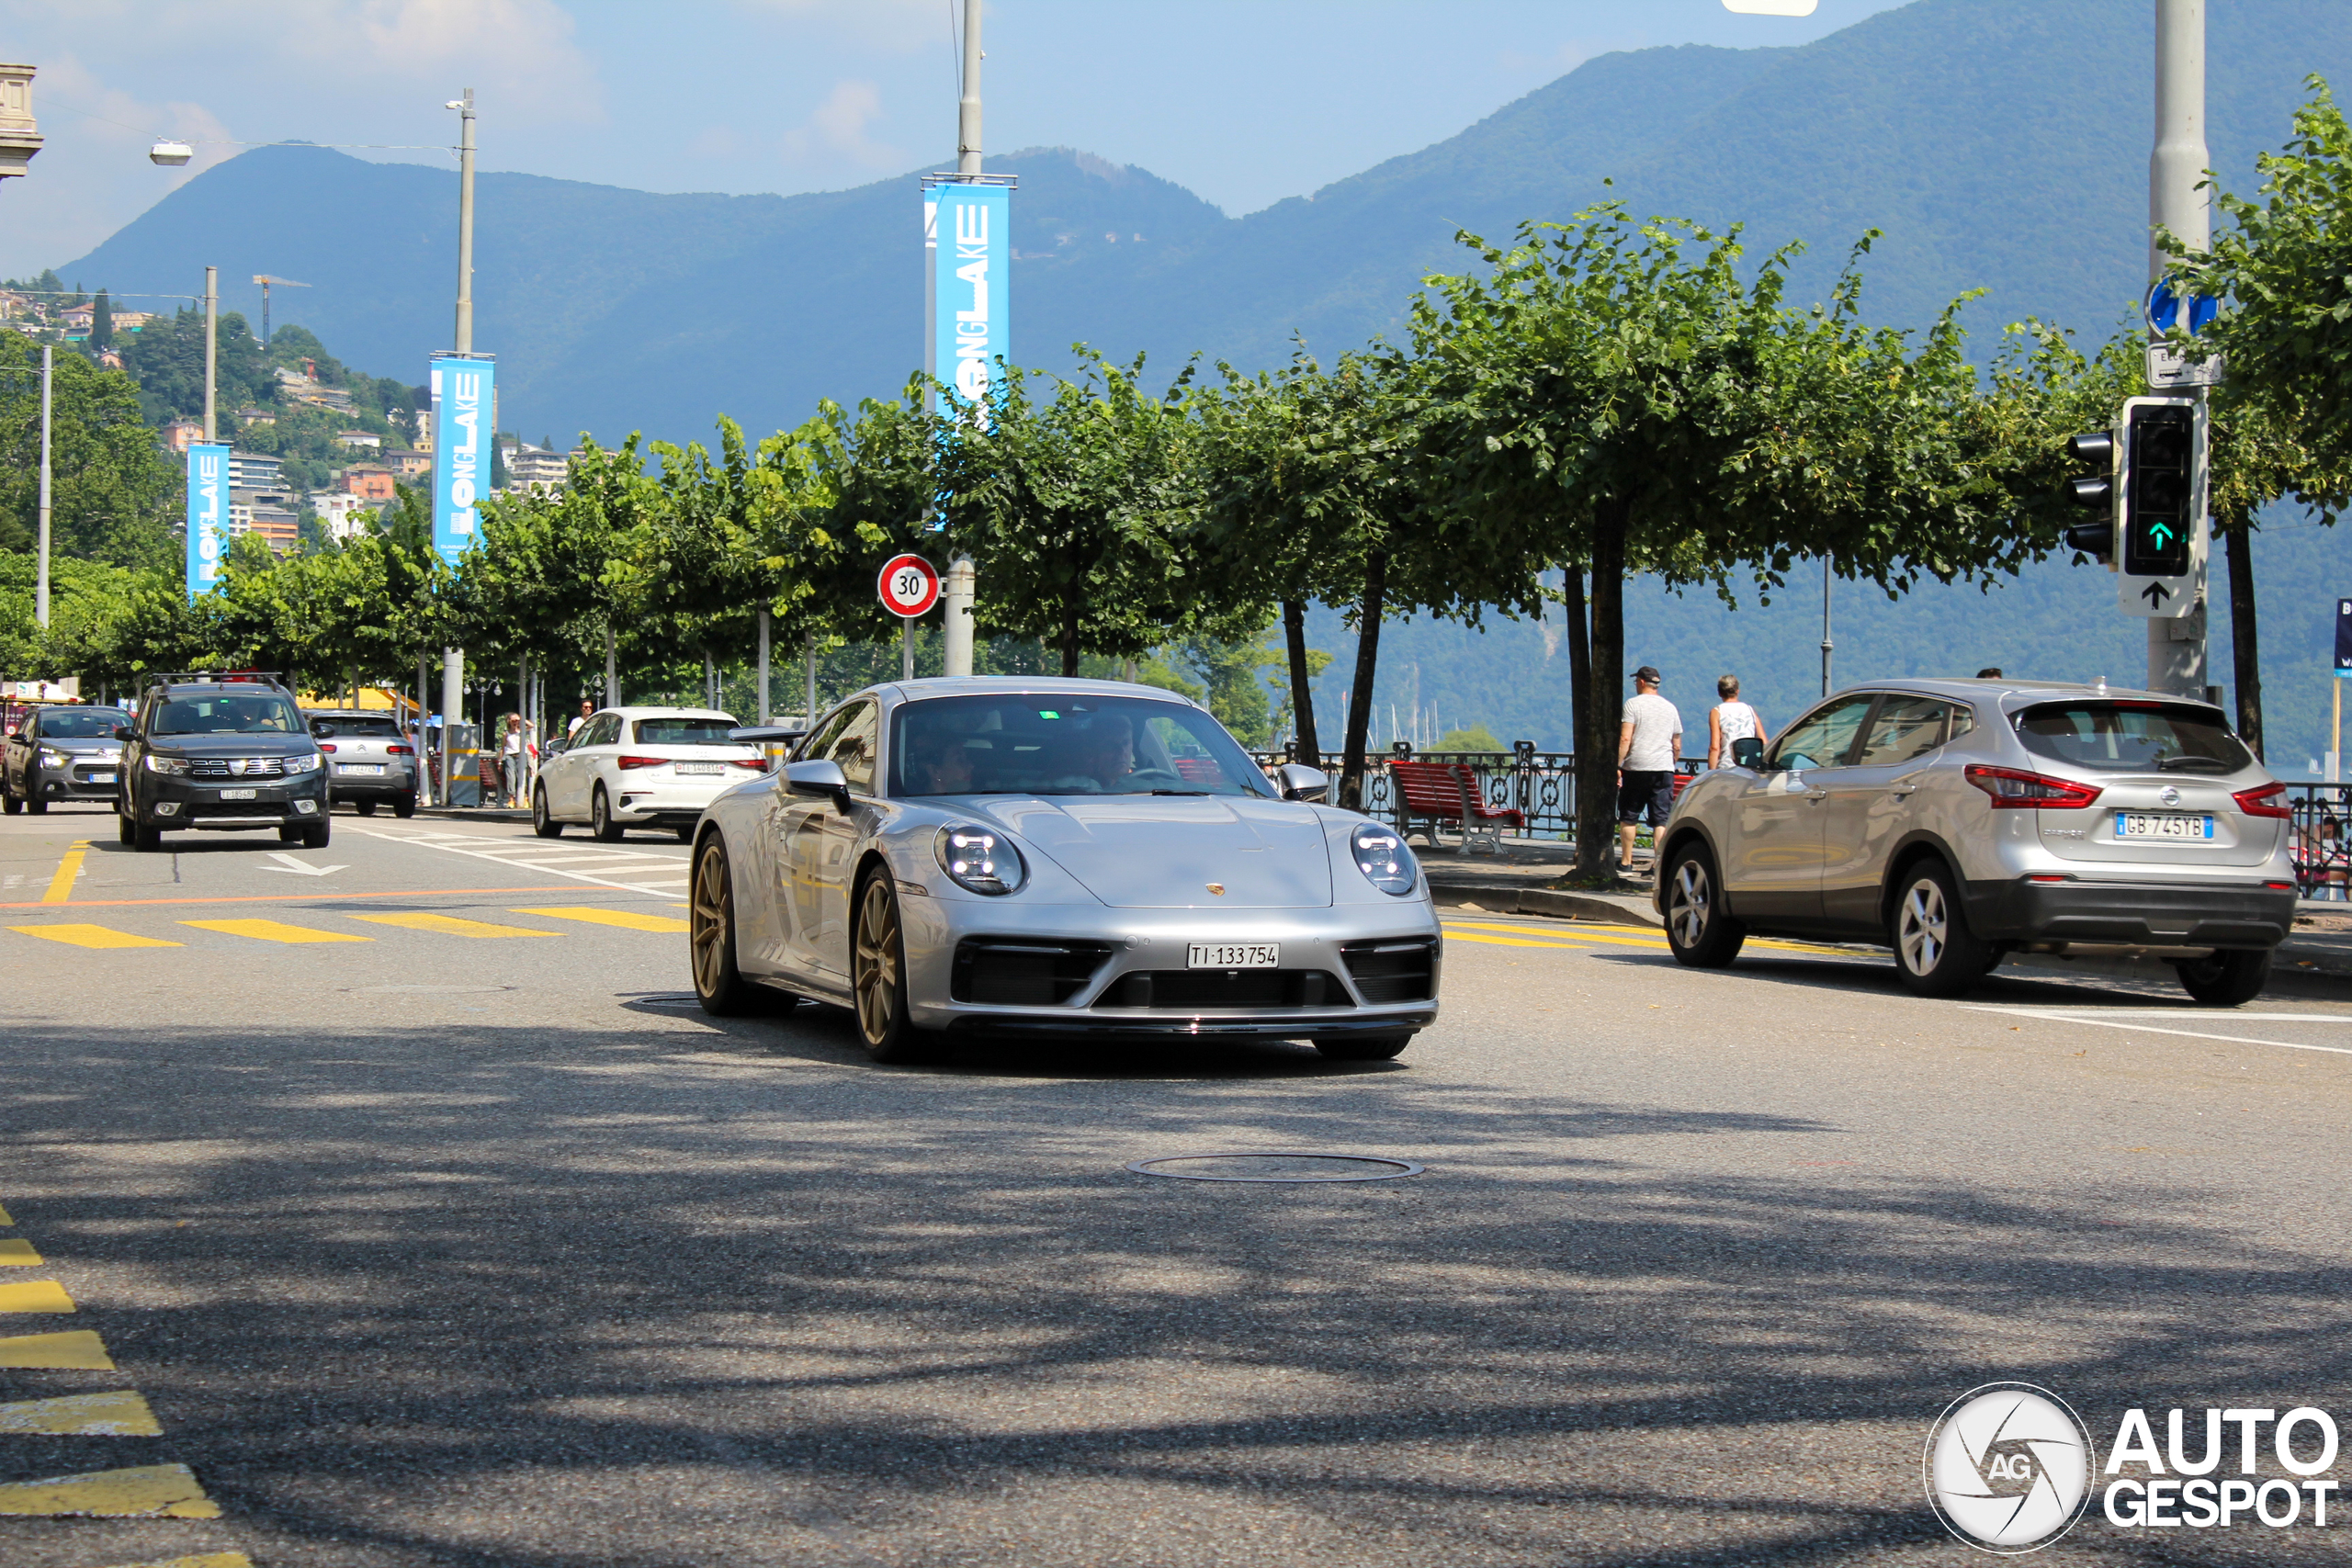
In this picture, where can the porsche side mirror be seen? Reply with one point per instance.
(125, 732)
(1296, 781)
(818, 778)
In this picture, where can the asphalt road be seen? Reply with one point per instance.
(432, 1228)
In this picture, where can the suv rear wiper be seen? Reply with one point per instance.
(2193, 765)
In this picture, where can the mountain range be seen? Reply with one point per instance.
(1995, 144)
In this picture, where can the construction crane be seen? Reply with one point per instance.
(266, 280)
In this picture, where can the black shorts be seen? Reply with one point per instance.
(1639, 792)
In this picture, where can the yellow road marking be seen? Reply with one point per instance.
(273, 930)
(91, 936)
(4, 1220)
(627, 920)
(121, 1413)
(1513, 942)
(144, 1492)
(202, 1560)
(60, 886)
(80, 1350)
(449, 925)
(16, 1250)
(35, 1295)
(1604, 934)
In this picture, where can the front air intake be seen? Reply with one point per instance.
(1023, 971)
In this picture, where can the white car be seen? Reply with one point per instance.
(642, 768)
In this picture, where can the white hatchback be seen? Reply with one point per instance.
(642, 768)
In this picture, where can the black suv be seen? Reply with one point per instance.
(221, 751)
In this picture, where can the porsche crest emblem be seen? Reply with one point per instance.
(1217, 888)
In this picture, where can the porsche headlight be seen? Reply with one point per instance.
(1383, 858)
(980, 859)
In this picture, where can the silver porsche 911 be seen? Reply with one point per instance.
(1047, 857)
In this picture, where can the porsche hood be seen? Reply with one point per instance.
(1176, 852)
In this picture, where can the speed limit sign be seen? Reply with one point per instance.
(909, 587)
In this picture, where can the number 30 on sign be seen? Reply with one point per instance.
(909, 586)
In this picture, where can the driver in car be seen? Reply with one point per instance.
(1109, 754)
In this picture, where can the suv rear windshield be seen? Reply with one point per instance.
(220, 713)
(684, 732)
(363, 728)
(2133, 737)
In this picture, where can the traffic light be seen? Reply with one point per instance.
(2159, 489)
(2096, 491)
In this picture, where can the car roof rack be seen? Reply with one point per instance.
(219, 678)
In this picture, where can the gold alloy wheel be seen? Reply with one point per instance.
(1923, 928)
(875, 972)
(710, 917)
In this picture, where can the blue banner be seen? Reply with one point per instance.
(464, 426)
(971, 230)
(208, 517)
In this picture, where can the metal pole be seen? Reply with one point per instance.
(1826, 644)
(466, 224)
(2335, 755)
(211, 348)
(40, 587)
(906, 650)
(612, 668)
(2175, 167)
(957, 633)
(962, 578)
(452, 713)
(809, 717)
(764, 665)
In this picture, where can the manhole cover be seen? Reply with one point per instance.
(421, 990)
(1275, 1164)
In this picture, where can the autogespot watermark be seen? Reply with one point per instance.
(2010, 1468)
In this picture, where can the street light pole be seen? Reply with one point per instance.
(962, 583)
(40, 593)
(453, 659)
(1826, 644)
(211, 349)
(2175, 168)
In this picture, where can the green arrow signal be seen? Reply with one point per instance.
(2160, 533)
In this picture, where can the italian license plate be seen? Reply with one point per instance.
(369, 770)
(2162, 825)
(705, 769)
(1234, 955)
(102, 778)
(240, 795)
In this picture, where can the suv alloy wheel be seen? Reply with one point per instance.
(1935, 952)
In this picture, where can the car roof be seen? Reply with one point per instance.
(1019, 685)
(2011, 695)
(669, 713)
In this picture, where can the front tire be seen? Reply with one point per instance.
(542, 822)
(1699, 930)
(719, 986)
(600, 818)
(146, 840)
(8, 801)
(1364, 1048)
(126, 830)
(1935, 952)
(36, 806)
(2224, 979)
(317, 835)
(878, 976)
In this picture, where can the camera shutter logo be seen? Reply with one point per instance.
(2008, 1467)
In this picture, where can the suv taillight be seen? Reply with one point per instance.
(2015, 789)
(2265, 800)
(402, 750)
(641, 761)
(328, 747)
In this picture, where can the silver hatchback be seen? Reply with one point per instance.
(1957, 821)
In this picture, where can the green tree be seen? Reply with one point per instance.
(102, 323)
(114, 494)
(166, 359)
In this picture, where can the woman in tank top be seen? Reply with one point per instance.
(1729, 722)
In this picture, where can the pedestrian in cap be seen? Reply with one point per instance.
(1649, 742)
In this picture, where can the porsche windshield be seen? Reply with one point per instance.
(1056, 744)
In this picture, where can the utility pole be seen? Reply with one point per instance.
(1826, 644)
(961, 576)
(40, 595)
(453, 659)
(2176, 660)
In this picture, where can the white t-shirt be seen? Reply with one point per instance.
(512, 742)
(1655, 724)
(1736, 719)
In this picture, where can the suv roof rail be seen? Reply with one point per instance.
(219, 677)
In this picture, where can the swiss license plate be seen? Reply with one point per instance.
(102, 778)
(241, 795)
(1234, 955)
(2162, 825)
(706, 769)
(371, 769)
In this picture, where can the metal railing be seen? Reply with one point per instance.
(2322, 839)
(1543, 785)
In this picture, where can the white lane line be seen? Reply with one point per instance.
(2188, 1013)
(649, 885)
(2151, 1028)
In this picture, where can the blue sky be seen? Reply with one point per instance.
(1243, 101)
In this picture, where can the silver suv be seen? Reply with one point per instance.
(1957, 821)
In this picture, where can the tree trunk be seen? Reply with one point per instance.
(1302, 701)
(1601, 698)
(1375, 594)
(1580, 727)
(1069, 639)
(2245, 649)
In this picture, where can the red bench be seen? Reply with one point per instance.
(1432, 793)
